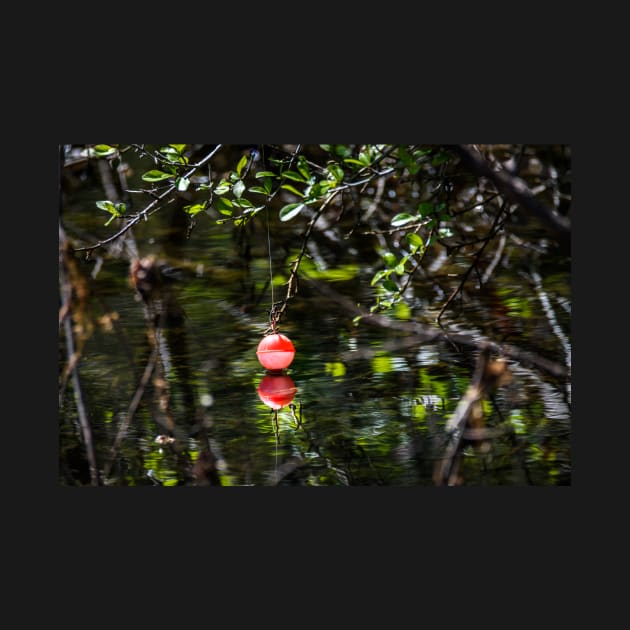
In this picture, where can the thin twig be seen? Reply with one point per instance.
(517, 191)
(491, 234)
(143, 213)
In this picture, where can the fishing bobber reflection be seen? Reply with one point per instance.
(276, 390)
(275, 352)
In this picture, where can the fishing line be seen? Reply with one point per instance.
(269, 254)
(275, 411)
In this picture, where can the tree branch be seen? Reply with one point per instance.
(516, 190)
(144, 212)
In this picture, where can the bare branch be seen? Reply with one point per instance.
(516, 190)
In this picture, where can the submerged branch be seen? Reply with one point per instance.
(124, 425)
(72, 360)
(425, 333)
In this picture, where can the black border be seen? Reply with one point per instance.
(363, 106)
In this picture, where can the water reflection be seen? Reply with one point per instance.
(276, 390)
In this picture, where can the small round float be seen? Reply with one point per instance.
(275, 352)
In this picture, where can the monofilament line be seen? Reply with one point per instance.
(269, 252)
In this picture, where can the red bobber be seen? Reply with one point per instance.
(275, 352)
(276, 390)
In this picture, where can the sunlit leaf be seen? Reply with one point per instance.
(320, 189)
(261, 174)
(335, 171)
(108, 206)
(415, 241)
(194, 209)
(182, 183)
(402, 219)
(292, 189)
(238, 188)
(379, 275)
(400, 267)
(257, 189)
(156, 176)
(241, 164)
(222, 187)
(104, 150)
(243, 203)
(223, 205)
(296, 177)
(291, 210)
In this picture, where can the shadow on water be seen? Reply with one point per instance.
(167, 329)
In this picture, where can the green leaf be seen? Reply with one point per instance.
(425, 208)
(319, 189)
(415, 241)
(291, 210)
(182, 183)
(353, 161)
(389, 259)
(390, 285)
(400, 267)
(121, 208)
(238, 188)
(178, 147)
(261, 174)
(402, 219)
(194, 209)
(243, 203)
(108, 206)
(241, 164)
(302, 167)
(222, 187)
(379, 275)
(257, 189)
(104, 150)
(296, 177)
(292, 189)
(224, 206)
(156, 176)
(335, 171)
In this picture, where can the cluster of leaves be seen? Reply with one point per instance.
(300, 178)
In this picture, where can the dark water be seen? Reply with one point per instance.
(361, 404)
